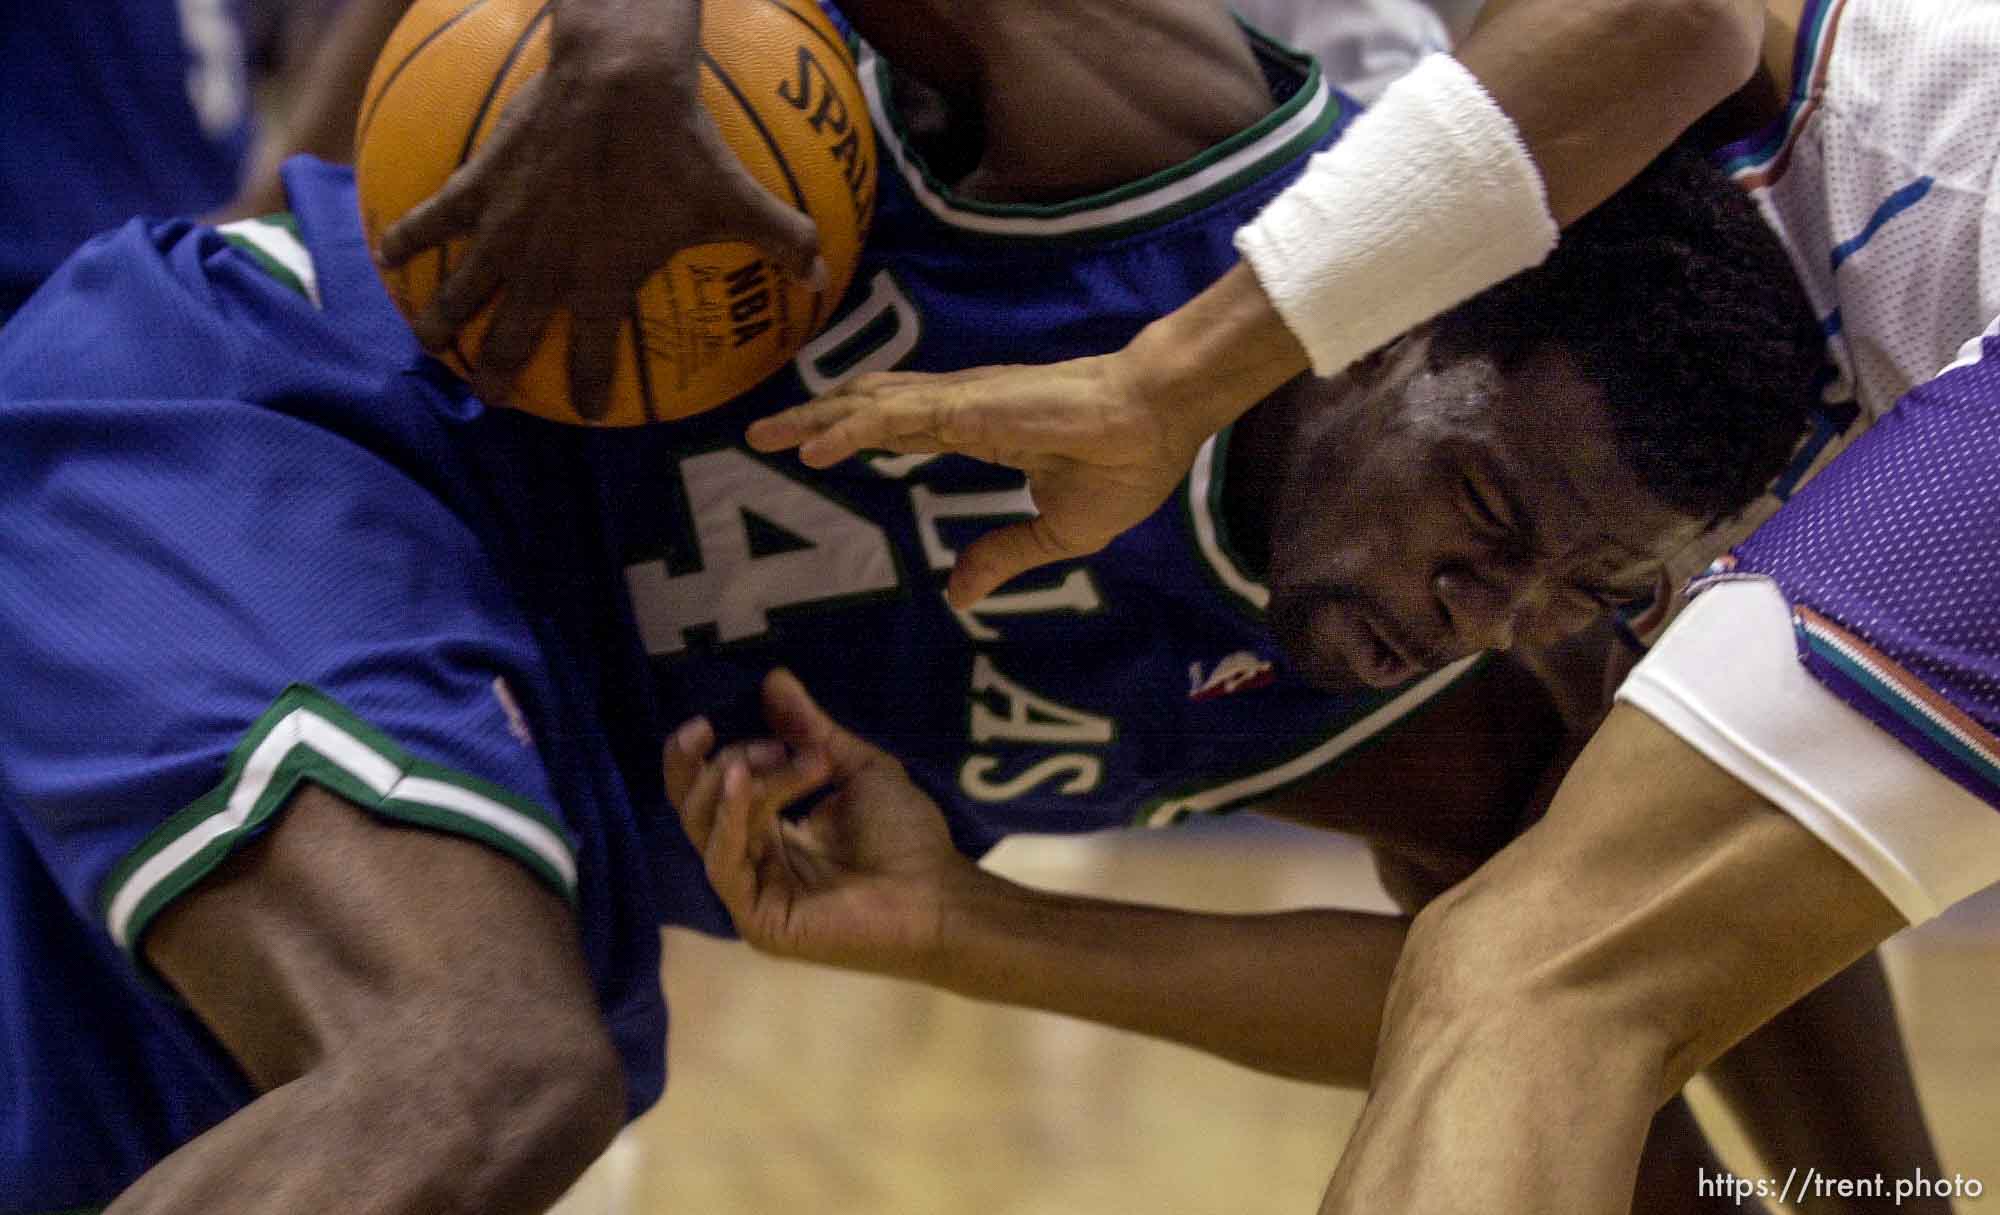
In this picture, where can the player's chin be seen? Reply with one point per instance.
(1340, 640)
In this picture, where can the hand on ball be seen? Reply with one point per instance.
(599, 171)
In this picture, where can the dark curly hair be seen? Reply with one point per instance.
(1680, 304)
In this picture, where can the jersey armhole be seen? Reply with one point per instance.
(306, 736)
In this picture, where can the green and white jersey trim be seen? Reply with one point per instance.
(1276, 139)
(273, 242)
(1171, 810)
(306, 736)
(1211, 536)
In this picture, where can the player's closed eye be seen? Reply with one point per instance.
(1482, 507)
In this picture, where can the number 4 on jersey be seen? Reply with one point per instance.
(824, 552)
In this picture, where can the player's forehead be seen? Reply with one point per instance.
(1543, 431)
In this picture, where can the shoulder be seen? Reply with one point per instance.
(1071, 99)
(1134, 88)
(157, 310)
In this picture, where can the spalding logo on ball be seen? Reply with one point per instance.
(780, 84)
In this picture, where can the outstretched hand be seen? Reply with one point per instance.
(861, 881)
(600, 170)
(1100, 457)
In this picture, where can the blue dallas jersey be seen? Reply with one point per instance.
(110, 109)
(255, 539)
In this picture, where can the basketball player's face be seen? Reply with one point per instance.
(1446, 507)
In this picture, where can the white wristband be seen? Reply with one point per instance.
(1427, 200)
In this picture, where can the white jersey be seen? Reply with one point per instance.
(1879, 180)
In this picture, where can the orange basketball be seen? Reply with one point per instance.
(779, 82)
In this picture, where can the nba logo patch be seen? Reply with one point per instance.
(1240, 672)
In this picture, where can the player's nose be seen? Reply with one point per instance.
(1485, 606)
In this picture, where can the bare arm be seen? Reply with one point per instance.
(1567, 73)
(1296, 993)
(1547, 1007)
(870, 880)
(1827, 1082)
(1824, 1081)
(415, 1011)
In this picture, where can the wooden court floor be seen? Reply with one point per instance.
(797, 1089)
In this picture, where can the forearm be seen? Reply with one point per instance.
(1295, 993)
(1598, 88)
(320, 120)
(1562, 74)
(1827, 1082)
(1208, 361)
(414, 1009)
(389, 1137)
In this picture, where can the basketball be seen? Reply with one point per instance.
(779, 82)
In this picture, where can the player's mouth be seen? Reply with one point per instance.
(1373, 651)
(1390, 659)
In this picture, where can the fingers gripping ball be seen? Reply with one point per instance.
(780, 85)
